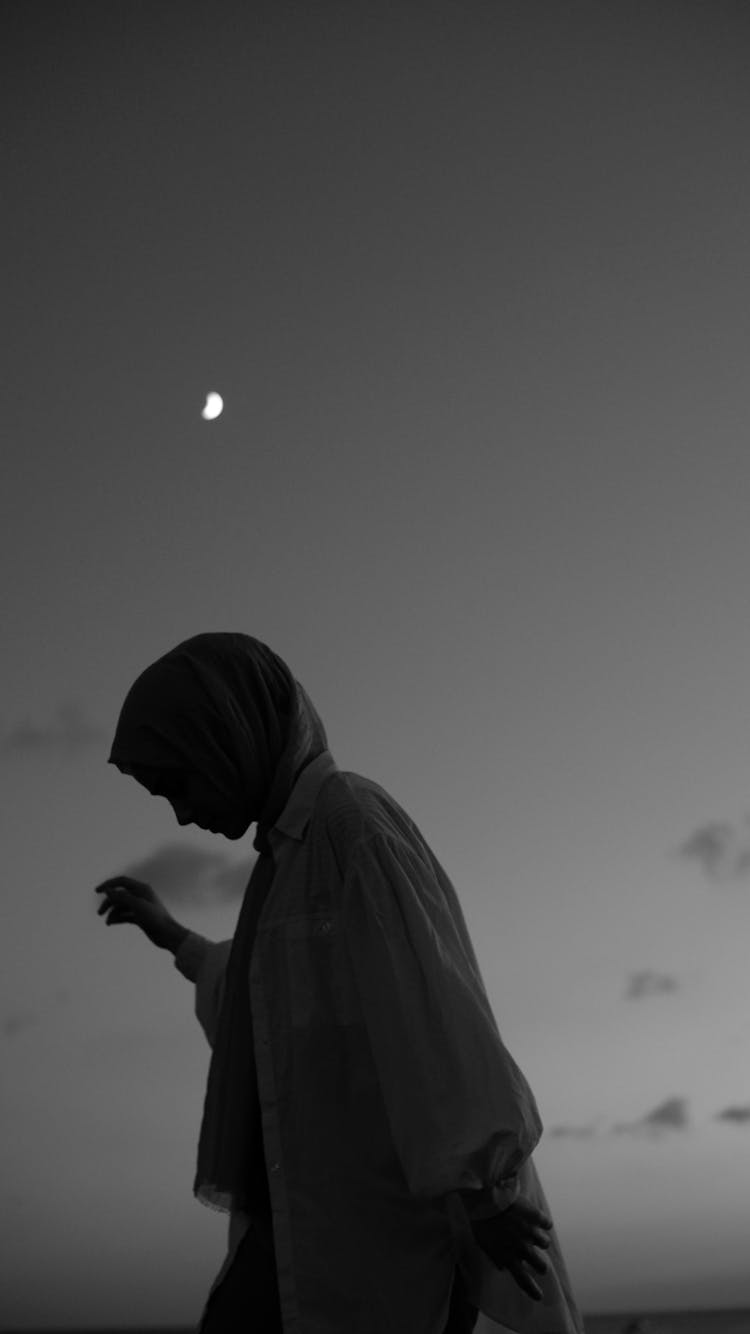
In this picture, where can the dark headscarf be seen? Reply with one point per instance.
(227, 706)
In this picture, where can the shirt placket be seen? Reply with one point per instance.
(272, 1144)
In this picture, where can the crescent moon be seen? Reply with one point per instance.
(214, 406)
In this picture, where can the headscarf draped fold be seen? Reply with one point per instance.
(227, 706)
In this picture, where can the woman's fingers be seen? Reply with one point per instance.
(116, 906)
(530, 1257)
(120, 890)
(112, 895)
(527, 1284)
(114, 912)
(125, 882)
(111, 892)
(540, 1238)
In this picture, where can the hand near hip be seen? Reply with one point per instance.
(512, 1240)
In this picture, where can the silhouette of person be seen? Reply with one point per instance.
(364, 1126)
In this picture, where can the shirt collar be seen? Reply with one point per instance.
(296, 814)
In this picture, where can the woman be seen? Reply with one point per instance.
(364, 1125)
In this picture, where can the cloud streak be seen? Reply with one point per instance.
(721, 849)
(571, 1132)
(739, 1116)
(18, 1021)
(69, 732)
(649, 983)
(670, 1115)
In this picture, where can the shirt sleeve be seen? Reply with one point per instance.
(462, 1115)
(204, 962)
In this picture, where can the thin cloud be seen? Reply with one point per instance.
(721, 849)
(742, 868)
(183, 875)
(648, 983)
(571, 1132)
(17, 1021)
(739, 1116)
(69, 732)
(669, 1115)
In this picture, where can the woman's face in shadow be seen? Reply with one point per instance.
(193, 799)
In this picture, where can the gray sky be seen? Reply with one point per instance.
(473, 282)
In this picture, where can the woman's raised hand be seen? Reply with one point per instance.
(129, 900)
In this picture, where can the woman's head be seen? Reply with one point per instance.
(221, 728)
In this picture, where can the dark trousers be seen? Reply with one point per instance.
(250, 1288)
(462, 1316)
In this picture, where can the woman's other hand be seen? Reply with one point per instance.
(129, 900)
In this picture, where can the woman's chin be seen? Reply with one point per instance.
(235, 831)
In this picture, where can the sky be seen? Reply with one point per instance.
(472, 280)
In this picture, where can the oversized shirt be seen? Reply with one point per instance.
(392, 1113)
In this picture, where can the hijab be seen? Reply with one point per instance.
(227, 706)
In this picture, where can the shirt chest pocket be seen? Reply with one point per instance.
(321, 987)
